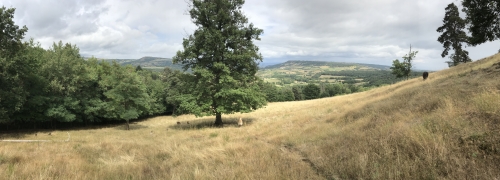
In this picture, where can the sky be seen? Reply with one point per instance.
(360, 31)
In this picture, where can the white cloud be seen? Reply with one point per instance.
(364, 31)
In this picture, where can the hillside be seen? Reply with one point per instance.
(324, 64)
(303, 72)
(147, 62)
(447, 127)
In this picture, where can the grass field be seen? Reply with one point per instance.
(447, 127)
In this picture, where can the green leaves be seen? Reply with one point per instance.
(484, 20)
(403, 69)
(14, 68)
(224, 61)
(398, 68)
(453, 36)
(125, 95)
(311, 91)
(58, 85)
(11, 34)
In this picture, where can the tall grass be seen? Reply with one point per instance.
(447, 127)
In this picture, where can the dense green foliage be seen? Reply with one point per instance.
(484, 20)
(63, 87)
(56, 85)
(14, 68)
(304, 92)
(403, 69)
(311, 91)
(453, 36)
(223, 59)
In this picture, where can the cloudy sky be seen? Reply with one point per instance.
(363, 31)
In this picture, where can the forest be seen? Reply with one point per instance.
(45, 87)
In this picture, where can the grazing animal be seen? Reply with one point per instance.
(240, 122)
(425, 75)
(178, 122)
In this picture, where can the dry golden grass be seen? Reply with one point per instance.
(447, 127)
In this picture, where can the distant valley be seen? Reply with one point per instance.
(148, 62)
(303, 72)
(295, 72)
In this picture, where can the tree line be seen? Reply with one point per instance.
(54, 86)
(275, 93)
(45, 87)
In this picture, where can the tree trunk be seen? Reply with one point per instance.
(128, 125)
(218, 119)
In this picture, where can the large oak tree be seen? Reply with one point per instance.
(223, 59)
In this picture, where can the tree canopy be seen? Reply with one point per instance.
(223, 59)
(14, 69)
(311, 91)
(57, 85)
(453, 36)
(483, 17)
(403, 69)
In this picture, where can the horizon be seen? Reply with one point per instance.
(361, 31)
(265, 64)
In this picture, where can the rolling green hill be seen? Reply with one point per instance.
(304, 72)
(147, 62)
(325, 64)
(297, 72)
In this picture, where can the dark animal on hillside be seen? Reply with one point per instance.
(178, 122)
(425, 75)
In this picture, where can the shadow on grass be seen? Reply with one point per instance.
(201, 123)
(31, 134)
(15, 135)
(133, 126)
(23, 130)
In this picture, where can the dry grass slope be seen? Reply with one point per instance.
(447, 127)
